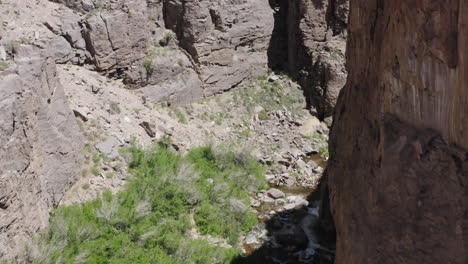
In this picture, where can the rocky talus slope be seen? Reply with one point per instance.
(398, 168)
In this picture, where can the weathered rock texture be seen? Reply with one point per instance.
(40, 154)
(309, 41)
(218, 44)
(227, 39)
(398, 168)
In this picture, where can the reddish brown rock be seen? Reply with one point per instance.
(398, 171)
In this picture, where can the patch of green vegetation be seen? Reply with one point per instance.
(15, 46)
(166, 39)
(3, 65)
(109, 175)
(245, 133)
(180, 62)
(95, 171)
(295, 175)
(149, 221)
(165, 141)
(85, 186)
(319, 137)
(271, 96)
(114, 108)
(25, 40)
(81, 125)
(263, 115)
(148, 65)
(324, 152)
(96, 158)
(87, 148)
(180, 116)
(98, 4)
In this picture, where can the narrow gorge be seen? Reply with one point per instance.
(235, 131)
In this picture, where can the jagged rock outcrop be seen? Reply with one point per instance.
(309, 41)
(41, 145)
(398, 168)
(227, 39)
(128, 39)
(222, 44)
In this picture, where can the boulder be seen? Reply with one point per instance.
(110, 147)
(275, 193)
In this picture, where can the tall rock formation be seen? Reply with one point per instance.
(215, 46)
(309, 41)
(398, 172)
(228, 40)
(41, 146)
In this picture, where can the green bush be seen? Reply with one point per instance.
(324, 152)
(3, 65)
(263, 115)
(148, 222)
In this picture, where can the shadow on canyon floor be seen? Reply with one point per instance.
(298, 236)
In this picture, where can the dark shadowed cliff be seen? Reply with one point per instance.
(399, 166)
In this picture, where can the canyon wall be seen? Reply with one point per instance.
(309, 42)
(176, 50)
(41, 153)
(399, 154)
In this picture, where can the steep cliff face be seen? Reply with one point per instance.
(398, 168)
(41, 148)
(309, 41)
(216, 45)
(227, 39)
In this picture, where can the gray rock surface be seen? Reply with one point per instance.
(309, 41)
(109, 148)
(41, 148)
(228, 40)
(275, 193)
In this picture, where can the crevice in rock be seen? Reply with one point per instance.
(311, 63)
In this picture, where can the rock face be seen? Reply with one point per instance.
(309, 41)
(41, 146)
(227, 39)
(216, 45)
(398, 168)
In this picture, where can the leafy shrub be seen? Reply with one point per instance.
(263, 115)
(180, 116)
(148, 222)
(324, 152)
(114, 108)
(3, 65)
(166, 39)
